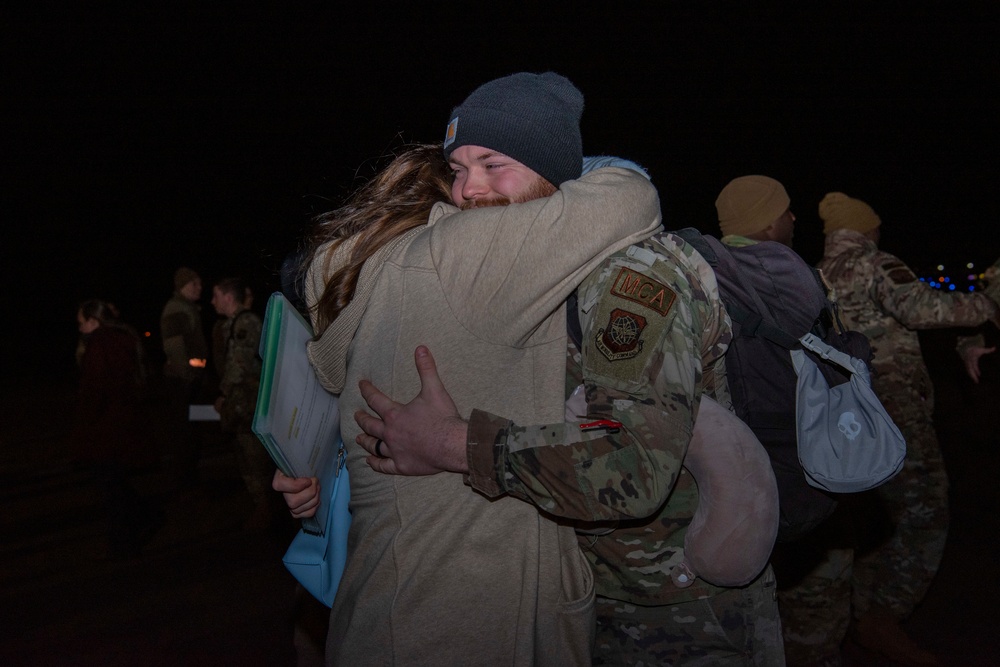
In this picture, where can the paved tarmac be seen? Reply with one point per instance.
(208, 591)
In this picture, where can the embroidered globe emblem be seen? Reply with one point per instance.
(623, 331)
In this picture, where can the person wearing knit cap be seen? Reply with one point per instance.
(186, 351)
(880, 296)
(442, 575)
(638, 599)
(185, 277)
(493, 165)
(525, 127)
(838, 211)
(756, 208)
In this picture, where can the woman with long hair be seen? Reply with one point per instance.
(451, 576)
(396, 200)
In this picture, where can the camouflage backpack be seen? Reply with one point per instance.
(774, 299)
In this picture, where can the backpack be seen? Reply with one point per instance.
(800, 381)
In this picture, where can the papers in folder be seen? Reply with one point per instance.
(296, 418)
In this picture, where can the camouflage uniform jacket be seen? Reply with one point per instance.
(183, 337)
(992, 290)
(882, 298)
(240, 369)
(654, 335)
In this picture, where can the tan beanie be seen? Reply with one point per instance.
(838, 211)
(750, 204)
(183, 276)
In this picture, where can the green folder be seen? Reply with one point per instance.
(297, 420)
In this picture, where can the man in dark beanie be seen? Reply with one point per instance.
(648, 341)
(515, 139)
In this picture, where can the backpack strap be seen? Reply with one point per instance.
(842, 359)
(574, 329)
(751, 323)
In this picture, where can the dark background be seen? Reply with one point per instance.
(137, 139)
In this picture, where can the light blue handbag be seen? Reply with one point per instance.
(847, 442)
(317, 561)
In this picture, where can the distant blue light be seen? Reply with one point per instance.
(951, 287)
(972, 288)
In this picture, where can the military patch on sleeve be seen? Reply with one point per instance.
(902, 276)
(621, 338)
(643, 290)
(897, 271)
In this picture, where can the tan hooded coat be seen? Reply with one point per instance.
(437, 574)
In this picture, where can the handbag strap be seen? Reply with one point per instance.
(828, 352)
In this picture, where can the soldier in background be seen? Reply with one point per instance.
(882, 298)
(186, 353)
(239, 339)
(973, 348)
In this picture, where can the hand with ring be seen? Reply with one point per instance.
(423, 437)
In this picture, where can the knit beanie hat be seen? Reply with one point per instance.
(533, 118)
(749, 204)
(183, 276)
(838, 211)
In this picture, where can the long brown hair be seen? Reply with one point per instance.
(395, 201)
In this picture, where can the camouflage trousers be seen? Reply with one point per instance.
(888, 566)
(256, 468)
(737, 627)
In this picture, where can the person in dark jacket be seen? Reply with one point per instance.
(108, 434)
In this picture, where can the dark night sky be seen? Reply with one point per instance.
(139, 139)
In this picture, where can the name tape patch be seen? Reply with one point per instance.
(643, 290)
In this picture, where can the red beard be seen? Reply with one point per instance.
(537, 190)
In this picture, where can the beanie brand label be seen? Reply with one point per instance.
(451, 132)
(641, 289)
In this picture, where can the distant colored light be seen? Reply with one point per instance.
(147, 334)
(969, 265)
(947, 279)
(972, 288)
(940, 279)
(972, 276)
(951, 287)
(940, 267)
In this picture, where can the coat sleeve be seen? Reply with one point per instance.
(505, 269)
(916, 305)
(653, 394)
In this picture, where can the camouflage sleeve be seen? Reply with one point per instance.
(643, 332)
(964, 343)
(241, 364)
(916, 305)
